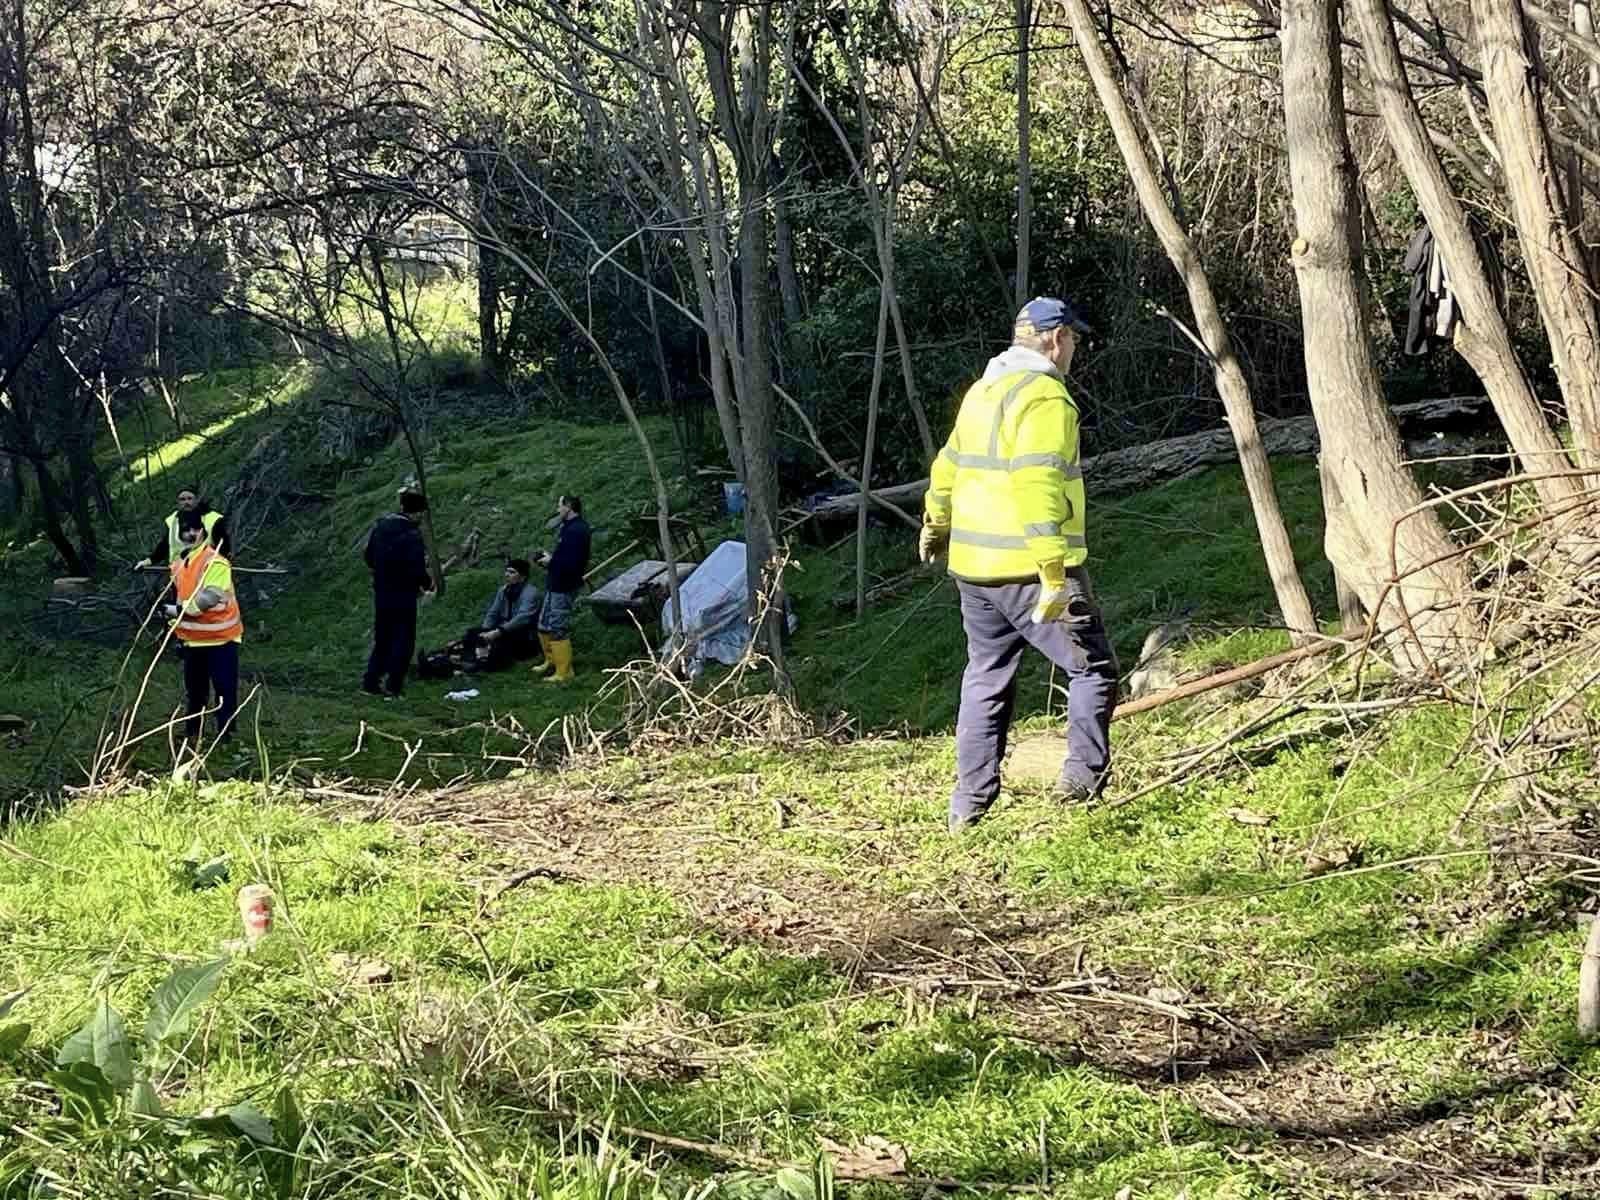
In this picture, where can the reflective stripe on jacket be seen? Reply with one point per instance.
(206, 568)
(1007, 483)
(208, 522)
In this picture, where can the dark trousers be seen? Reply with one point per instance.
(394, 640)
(999, 625)
(510, 647)
(206, 668)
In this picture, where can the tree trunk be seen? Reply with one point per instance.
(1360, 443)
(1482, 335)
(1554, 257)
(50, 505)
(489, 314)
(680, 415)
(1232, 386)
(757, 416)
(1024, 152)
(868, 448)
(794, 315)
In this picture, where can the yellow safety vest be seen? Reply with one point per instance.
(208, 522)
(1007, 484)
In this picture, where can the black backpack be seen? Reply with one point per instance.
(436, 665)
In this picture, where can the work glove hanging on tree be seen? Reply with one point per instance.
(1064, 596)
(932, 542)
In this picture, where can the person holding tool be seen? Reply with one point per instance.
(208, 626)
(168, 548)
(1005, 502)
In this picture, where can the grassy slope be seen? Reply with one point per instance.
(1156, 556)
(1432, 989)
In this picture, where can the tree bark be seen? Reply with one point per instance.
(867, 449)
(1360, 442)
(1024, 151)
(737, 47)
(1482, 335)
(1556, 265)
(1232, 386)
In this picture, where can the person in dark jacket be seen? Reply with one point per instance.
(169, 547)
(506, 633)
(565, 566)
(399, 564)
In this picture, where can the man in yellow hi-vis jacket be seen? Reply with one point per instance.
(1005, 501)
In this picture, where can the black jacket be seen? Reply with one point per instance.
(397, 557)
(570, 559)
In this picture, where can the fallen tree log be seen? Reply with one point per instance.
(1222, 678)
(1175, 458)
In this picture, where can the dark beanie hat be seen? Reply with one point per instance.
(520, 565)
(412, 502)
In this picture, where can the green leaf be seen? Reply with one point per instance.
(173, 1004)
(13, 1037)
(85, 1091)
(103, 1041)
(245, 1119)
(10, 1002)
(252, 1122)
(210, 874)
(282, 1163)
(796, 1184)
(144, 1100)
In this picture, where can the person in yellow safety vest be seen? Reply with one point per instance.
(169, 547)
(1005, 502)
(207, 624)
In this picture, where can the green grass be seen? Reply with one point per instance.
(306, 634)
(749, 946)
(555, 996)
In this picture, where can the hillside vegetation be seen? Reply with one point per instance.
(1319, 960)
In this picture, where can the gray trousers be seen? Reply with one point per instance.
(999, 625)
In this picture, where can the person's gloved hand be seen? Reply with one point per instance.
(142, 564)
(1064, 596)
(170, 611)
(932, 541)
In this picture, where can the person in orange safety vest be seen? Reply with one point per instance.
(207, 623)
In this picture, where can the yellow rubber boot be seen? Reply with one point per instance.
(561, 655)
(547, 665)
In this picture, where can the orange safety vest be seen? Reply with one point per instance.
(217, 625)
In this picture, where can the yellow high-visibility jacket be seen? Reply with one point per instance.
(1007, 484)
(208, 522)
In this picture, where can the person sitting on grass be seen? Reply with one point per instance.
(506, 634)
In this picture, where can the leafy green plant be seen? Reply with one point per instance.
(105, 1079)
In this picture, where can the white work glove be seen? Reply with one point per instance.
(1064, 597)
(932, 542)
(142, 564)
(170, 611)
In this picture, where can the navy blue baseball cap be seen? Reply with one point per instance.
(1044, 313)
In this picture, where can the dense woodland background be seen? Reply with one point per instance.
(799, 229)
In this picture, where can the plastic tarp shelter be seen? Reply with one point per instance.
(716, 622)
